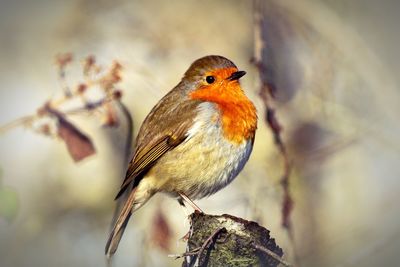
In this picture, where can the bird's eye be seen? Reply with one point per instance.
(210, 79)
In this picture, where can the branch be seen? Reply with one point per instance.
(79, 144)
(23, 121)
(267, 94)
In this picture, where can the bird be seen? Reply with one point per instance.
(193, 142)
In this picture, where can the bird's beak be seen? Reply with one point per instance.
(236, 75)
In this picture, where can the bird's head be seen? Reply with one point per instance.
(213, 78)
(216, 79)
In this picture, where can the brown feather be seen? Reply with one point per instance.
(144, 162)
(169, 128)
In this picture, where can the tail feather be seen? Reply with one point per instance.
(135, 200)
(120, 224)
(115, 237)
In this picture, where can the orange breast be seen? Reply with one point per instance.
(239, 116)
(239, 121)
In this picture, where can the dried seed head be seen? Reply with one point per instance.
(110, 118)
(117, 94)
(63, 59)
(81, 88)
(45, 129)
(88, 64)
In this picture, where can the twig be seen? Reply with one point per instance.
(62, 60)
(50, 106)
(89, 106)
(189, 253)
(271, 254)
(209, 241)
(199, 251)
(18, 122)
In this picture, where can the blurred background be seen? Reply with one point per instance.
(334, 66)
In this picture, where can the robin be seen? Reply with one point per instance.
(193, 143)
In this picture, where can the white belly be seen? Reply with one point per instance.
(206, 162)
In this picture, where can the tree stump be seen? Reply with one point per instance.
(226, 240)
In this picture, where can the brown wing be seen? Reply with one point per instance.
(148, 156)
(163, 129)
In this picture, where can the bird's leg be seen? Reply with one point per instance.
(180, 201)
(190, 202)
(184, 208)
(184, 238)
